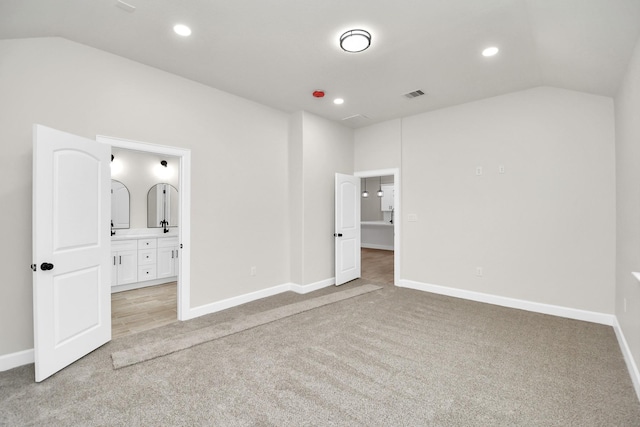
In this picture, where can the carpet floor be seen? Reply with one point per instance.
(393, 357)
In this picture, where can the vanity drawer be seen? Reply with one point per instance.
(146, 257)
(123, 245)
(147, 243)
(147, 273)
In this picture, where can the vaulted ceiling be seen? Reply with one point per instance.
(277, 52)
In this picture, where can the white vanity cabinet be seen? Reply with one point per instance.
(141, 262)
(167, 257)
(386, 201)
(147, 259)
(124, 262)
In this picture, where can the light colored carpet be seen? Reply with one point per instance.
(394, 357)
(142, 353)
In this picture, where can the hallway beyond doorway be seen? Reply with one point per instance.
(377, 265)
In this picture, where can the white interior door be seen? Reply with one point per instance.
(347, 223)
(71, 248)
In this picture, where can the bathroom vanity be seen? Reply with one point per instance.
(143, 260)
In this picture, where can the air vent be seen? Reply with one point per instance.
(356, 119)
(414, 94)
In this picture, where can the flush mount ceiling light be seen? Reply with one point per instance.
(355, 41)
(490, 51)
(182, 30)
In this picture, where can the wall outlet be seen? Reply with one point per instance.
(412, 217)
(478, 170)
(479, 271)
(501, 169)
(253, 271)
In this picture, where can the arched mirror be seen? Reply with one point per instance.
(119, 205)
(162, 206)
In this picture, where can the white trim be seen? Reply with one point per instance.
(13, 360)
(305, 289)
(145, 284)
(252, 296)
(397, 214)
(235, 301)
(374, 246)
(628, 357)
(536, 307)
(184, 225)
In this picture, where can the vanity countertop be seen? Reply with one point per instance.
(142, 236)
(377, 223)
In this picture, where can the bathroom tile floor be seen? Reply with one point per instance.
(142, 309)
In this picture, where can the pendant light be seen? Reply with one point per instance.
(380, 192)
(365, 193)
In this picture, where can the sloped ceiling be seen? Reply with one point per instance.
(277, 52)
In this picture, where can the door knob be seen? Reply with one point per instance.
(46, 266)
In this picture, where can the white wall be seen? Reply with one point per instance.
(627, 106)
(239, 164)
(138, 175)
(378, 146)
(544, 231)
(327, 149)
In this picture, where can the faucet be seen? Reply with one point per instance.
(164, 223)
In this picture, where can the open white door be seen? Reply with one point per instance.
(347, 234)
(71, 248)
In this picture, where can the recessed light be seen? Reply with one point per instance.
(182, 30)
(338, 101)
(490, 51)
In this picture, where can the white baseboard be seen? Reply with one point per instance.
(13, 360)
(536, 307)
(252, 296)
(628, 358)
(235, 301)
(375, 246)
(304, 289)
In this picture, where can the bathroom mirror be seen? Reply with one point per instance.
(119, 205)
(162, 206)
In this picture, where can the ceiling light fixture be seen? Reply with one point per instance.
(380, 192)
(355, 41)
(182, 30)
(338, 101)
(365, 193)
(490, 51)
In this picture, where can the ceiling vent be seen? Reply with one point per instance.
(414, 94)
(356, 119)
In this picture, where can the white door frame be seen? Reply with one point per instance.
(397, 213)
(184, 215)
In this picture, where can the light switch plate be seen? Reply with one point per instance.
(412, 217)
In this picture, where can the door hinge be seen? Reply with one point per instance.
(180, 245)
(33, 267)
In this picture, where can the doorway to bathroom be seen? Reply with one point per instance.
(150, 273)
(379, 225)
